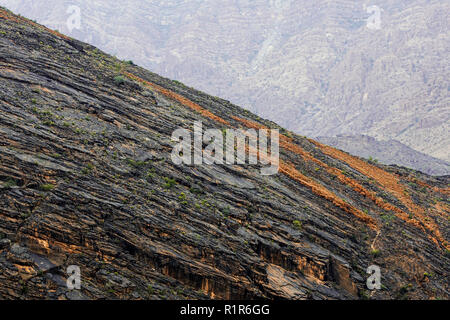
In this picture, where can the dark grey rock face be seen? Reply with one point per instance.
(86, 180)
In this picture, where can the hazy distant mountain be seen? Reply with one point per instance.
(388, 152)
(313, 66)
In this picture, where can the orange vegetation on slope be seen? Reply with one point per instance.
(179, 98)
(420, 223)
(442, 209)
(390, 183)
(8, 16)
(445, 191)
(287, 144)
(320, 190)
(288, 170)
(317, 188)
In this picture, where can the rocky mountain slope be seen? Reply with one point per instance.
(86, 179)
(388, 152)
(300, 63)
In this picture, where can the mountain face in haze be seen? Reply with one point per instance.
(87, 180)
(320, 68)
(388, 152)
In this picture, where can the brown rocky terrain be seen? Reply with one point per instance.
(86, 179)
(314, 67)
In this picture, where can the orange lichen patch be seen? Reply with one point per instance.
(25, 272)
(43, 243)
(8, 16)
(249, 124)
(47, 245)
(118, 124)
(320, 190)
(390, 183)
(285, 142)
(445, 191)
(175, 96)
(47, 90)
(56, 33)
(255, 125)
(442, 209)
(317, 271)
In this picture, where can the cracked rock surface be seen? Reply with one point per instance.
(86, 179)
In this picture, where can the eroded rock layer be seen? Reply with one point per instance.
(86, 179)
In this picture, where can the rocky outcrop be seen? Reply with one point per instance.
(86, 180)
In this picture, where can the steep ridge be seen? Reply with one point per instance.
(86, 179)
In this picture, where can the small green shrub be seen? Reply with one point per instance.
(47, 187)
(136, 163)
(118, 80)
(226, 211)
(375, 252)
(88, 168)
(150, 289)
(363, 294)
(205, 203)
(297, 224)
(170, 183)
(48, 123)
(9, 183)
(372, 160)
(195, 190)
